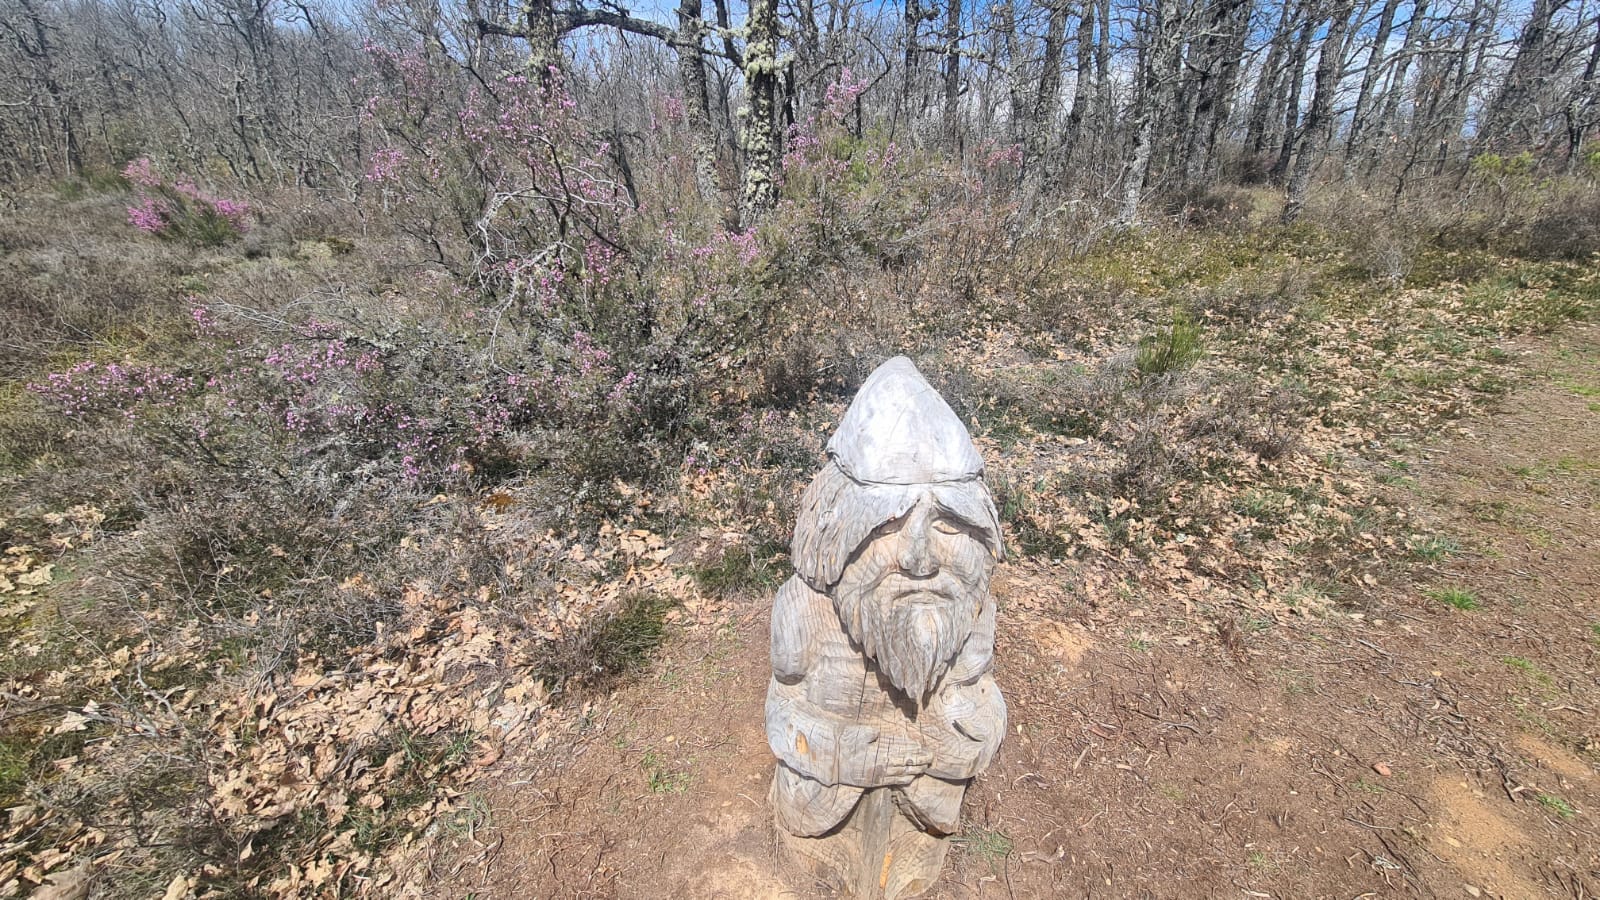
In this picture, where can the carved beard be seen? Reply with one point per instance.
(913, 638)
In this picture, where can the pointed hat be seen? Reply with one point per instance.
(899, 430)
(898, 443)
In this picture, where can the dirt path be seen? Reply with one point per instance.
(1399, 746)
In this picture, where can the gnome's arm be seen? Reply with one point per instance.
(822, 745)
(964, 724)
(831, 749)
(966, 718)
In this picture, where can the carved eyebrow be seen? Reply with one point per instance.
(946, 514)
(975, 530)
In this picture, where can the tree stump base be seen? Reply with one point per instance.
(876, 852)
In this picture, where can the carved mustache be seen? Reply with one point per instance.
(901, 585)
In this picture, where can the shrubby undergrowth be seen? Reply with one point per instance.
(475, 397)
(178, 208)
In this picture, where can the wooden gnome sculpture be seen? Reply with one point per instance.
(881, 707)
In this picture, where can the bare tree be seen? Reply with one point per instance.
(1214, 60)
(1268, 96)
(1376, 60)
(1082, 91)
(1042, 120)
(952, 75)
(1294, 78)
(1127, 102)
(1319, 120)
(31, 37)
(1517, 105)
(1159, 34)
(1579, 110)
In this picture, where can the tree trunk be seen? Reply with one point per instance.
(544, 49)
(1448, 125)
(1525, 81)
(1387, 124)
(1018, 115)
(1227, 85)
(1102, 63)
(45, 58)
(1581, 105)
(761, 115)
(952, 76)
(1042, 123)
(1264, 102)
(1159, 51)
(1369, 80)
(913, 61)
(1319, 120)
(697, 109)
(1296, 77)
(1217, 62)
(1081, 92)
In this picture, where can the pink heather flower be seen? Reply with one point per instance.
(842, 94)
(236, 212)
(1008, 156)
(150, 215)
(623, 385)
(89, 388)
(587, 354)
(673, 108)
(204, 321)
(599, 260)
(142, 172)
(744, 242)
(385, 165)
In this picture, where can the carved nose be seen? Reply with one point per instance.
(916, 556)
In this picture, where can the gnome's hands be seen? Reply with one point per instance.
(964, 724)
(875, 757)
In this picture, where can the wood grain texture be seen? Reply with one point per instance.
(881, 706)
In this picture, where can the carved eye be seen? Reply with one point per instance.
(947, 526)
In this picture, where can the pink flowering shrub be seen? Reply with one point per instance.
(844, 193)
(180, 209)
(322, 395)
(91, 390)
(385, 166)
(496, 176)
(150, 215)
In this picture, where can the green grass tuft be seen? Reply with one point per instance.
(1529, 668)
(1171, 349)
(742, 568)
(1433, 548)
(629, 639)
(989, 844)
(1459, 598)
(1557, 805)
(659, 779)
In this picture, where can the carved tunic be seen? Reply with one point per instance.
(838, 726)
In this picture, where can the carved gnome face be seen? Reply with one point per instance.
(899, 528)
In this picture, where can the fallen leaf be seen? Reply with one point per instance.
(77, 721)
(38, 577)
(69, 885)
